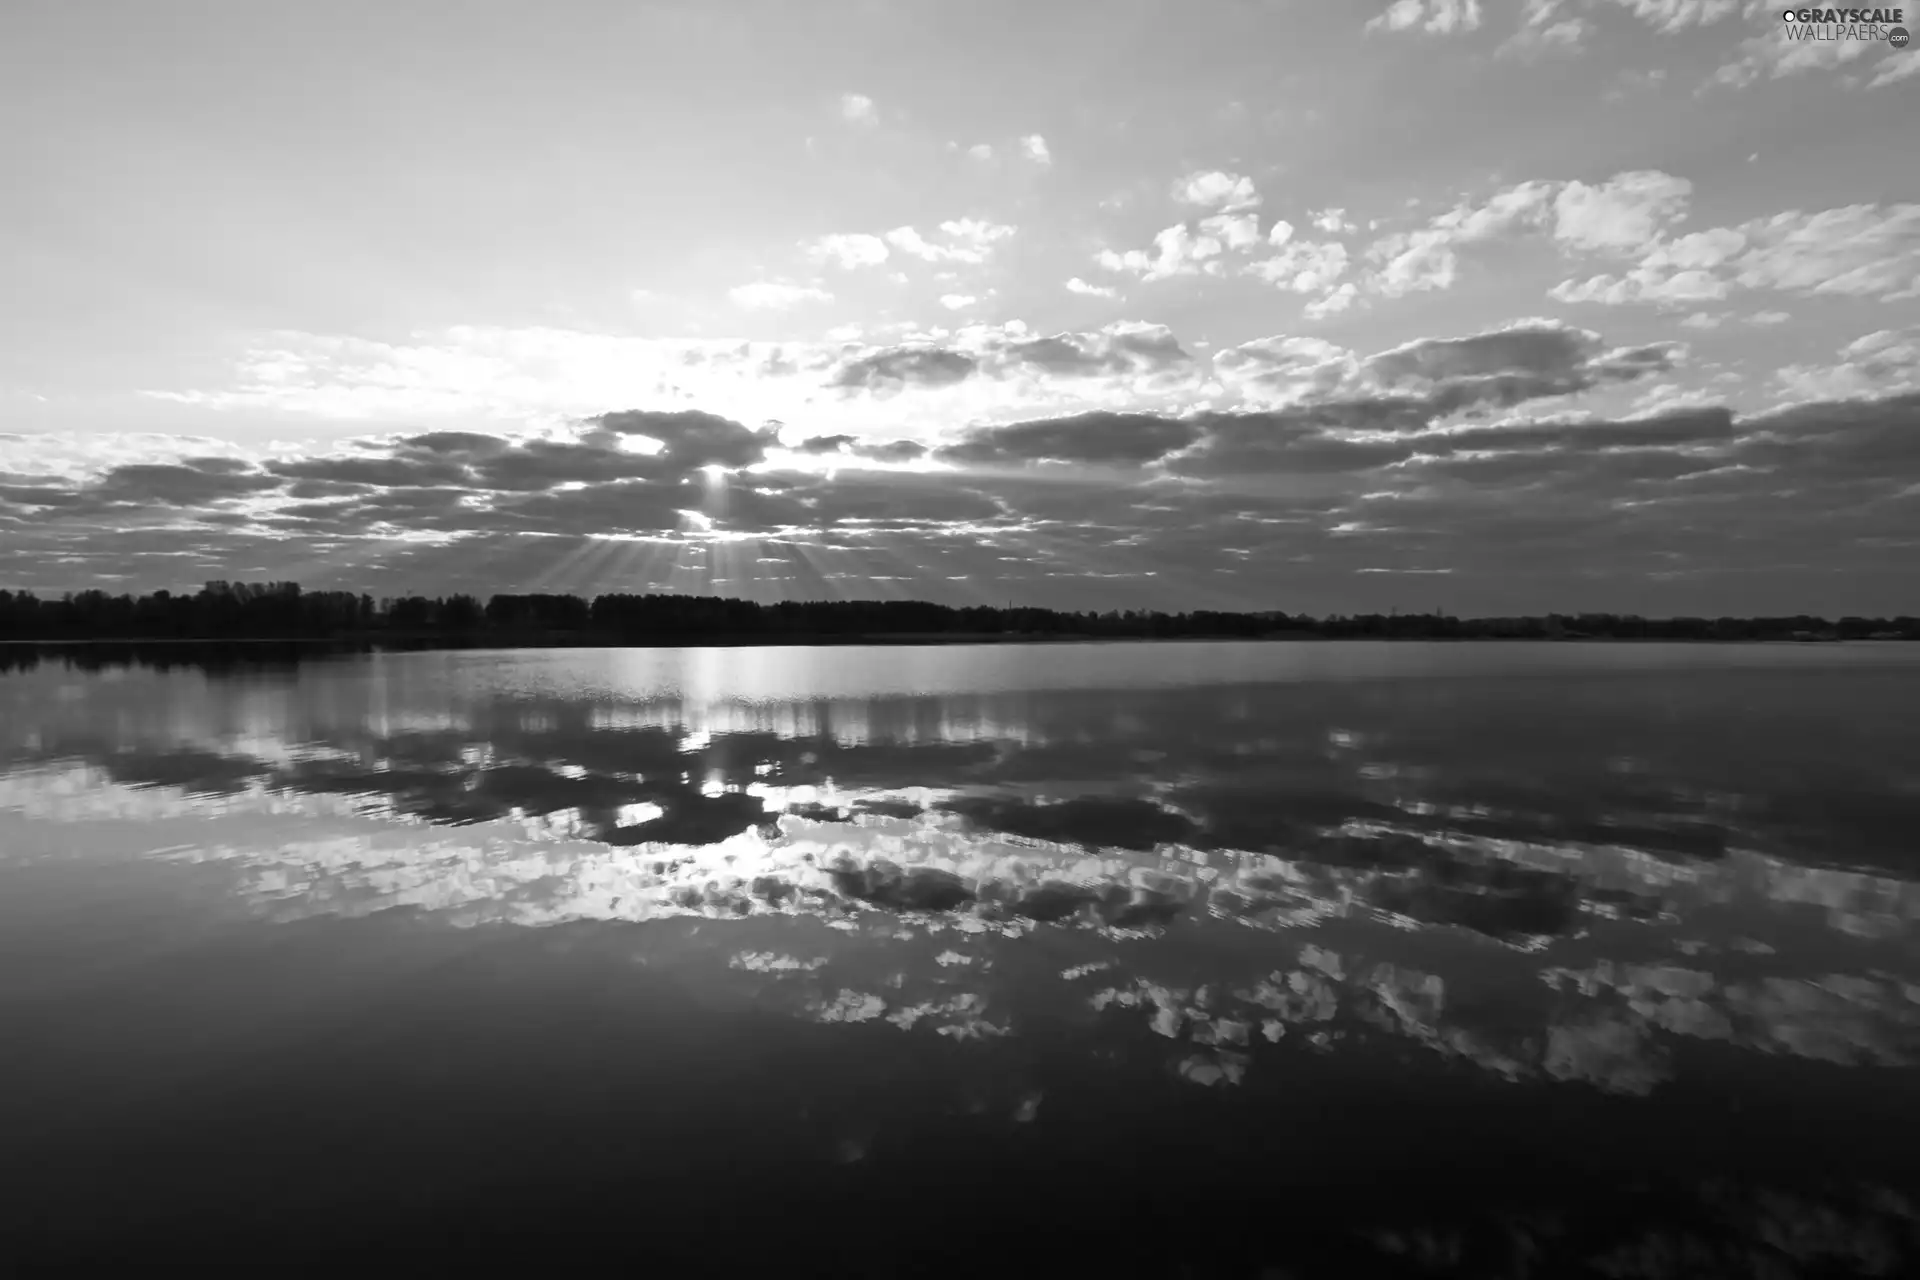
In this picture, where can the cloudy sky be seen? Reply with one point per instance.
(1483, 305)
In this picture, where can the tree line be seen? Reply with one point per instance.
(282, 610)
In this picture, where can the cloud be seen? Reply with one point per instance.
(1197, 249)
(892, 451)
(1544, 32)
(980, 151)
(826, 444)
(1034, 148)
(889, 452)
(1625, 213)
(1854, 251)
(1283, 369)
(1503, 367)
(177, 485)
(1092, 438)
(1875, 364)
(1522, 207)
(1679, 288)
(1665, 397)
(968, 240)
(848, 251)
(1771, 55)
(1120, 350)
(1412, 262)
(689, 439)
(1430, 378)
(1860, 250)
(894, 369)
(1540, 347)
(398, 470)
(858, 108)
(1233, 230)
(1336, 299)
(468, 444)
(1893, 70)
(1215, 189)
(1124, 358)
(1106, 452)
(1426, 258)
(1676, 15)
(1303, 266)
(1333, 222)
(1176, 251)
(514, 380)
(1293, 443)
(1077, 285)
(1439, 17)
(957, 301)
(1351, 463)
(770, 295)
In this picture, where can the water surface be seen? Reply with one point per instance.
(1583, 957)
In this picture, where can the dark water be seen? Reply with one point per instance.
(1286, 959)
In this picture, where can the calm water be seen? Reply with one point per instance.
(1249, 959)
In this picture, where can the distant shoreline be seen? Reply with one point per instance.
(383, 640)
(285, 613)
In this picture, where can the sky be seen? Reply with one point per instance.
(1486, 306)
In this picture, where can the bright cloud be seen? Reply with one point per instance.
(1214, 189)
(963, 240)
(1884, 362)
(858, 108)
(768, 295)
(1077, 285)
(1234, 230)
(1855, 251)
(1176, 252)
(1332, 221)
(1439, 17)
(1546, 30)
(1626, 212)
(1676, 15)
(1303, 266)
(848, 251)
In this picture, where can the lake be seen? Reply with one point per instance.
(1167, 959)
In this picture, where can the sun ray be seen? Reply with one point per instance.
(572, 569)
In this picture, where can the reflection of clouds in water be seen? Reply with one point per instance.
(850, 1006)
(73, 795)
(1352, 784)
(1590, 1036)
(1717, 1227)
(1131, 826)
(1605, 1050)
(769, 962)
(924, 1004)
(534, 872)
(959, 1017)
(1849, 1019)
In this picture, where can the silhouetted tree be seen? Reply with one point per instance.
(224, 610)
